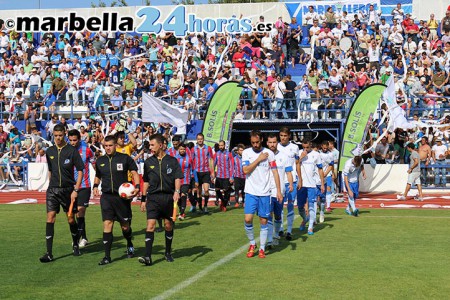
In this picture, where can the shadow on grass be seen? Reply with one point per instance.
(302, 235)
(194, 252)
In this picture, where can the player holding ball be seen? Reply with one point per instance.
(111, 170)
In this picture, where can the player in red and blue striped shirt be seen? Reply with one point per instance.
(203, 163)
(239, 176)
(224, 162)
(176, 141)
(186, 168)
(84, 194)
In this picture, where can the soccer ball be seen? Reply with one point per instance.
(126, 190)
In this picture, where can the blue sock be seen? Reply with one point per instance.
(302, 214)
(249, 232)
(281, 220)
(277, 227)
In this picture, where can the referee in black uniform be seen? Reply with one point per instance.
(162, 182)
(62, 159)
(111, 170)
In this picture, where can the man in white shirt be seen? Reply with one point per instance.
(292, 153)
(438, 152)
(310, 182)
(328, 168)
(352, 169)
(310, 17)
(279, 89)
(220, 79)
(266, 41)
(72, 84)
(396, 24)
(4, 40)
(385, 30)
(7, 125)
(396, 37)
(257, 163)
(89, 88)
(315, 29)
(410, 46)
(34, 83)
(285, 169)
(374, 16)
(337, 32)
(398, 13)
(77, 125)
(374, 54)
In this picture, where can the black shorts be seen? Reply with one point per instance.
(192, 183)
(239, 184)
(159, 206)
(84, 195)
(115, 208)
(222, 184)
(185, 189)
(57, 197)
(203, 177)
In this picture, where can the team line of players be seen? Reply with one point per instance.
(263, 178)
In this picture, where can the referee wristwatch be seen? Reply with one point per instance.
(178, 191)
(76, 190)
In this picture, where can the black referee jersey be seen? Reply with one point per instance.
(113, 171)
(161, 174)
(61, 163)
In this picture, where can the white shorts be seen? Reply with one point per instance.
(414, 178)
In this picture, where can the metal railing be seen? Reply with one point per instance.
(310, 109)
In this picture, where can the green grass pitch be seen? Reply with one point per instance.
(382, 254)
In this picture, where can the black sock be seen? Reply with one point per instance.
(226, 198)
(192, 200)
(49, 233)
(127, 234)
(183, 201)
(107, 241)
(160, 223)
(149, 237)
(82, 227)
(169, 238)
(74, 232)
(199, 201)
(206, 201)
(219, 195)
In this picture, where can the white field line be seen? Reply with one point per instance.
(205, 271)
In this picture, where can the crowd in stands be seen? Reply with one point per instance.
(88, 76)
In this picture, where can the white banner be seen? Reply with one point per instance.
(159, 111)
(299, 9)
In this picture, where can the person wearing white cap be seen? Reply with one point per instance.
(34, 83)
(438, 153)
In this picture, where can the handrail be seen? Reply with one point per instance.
(438, 109)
